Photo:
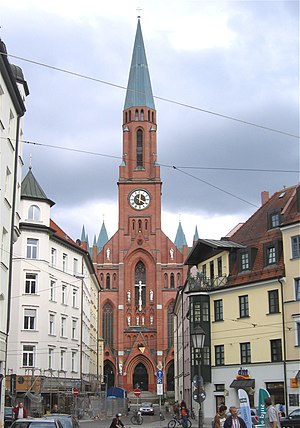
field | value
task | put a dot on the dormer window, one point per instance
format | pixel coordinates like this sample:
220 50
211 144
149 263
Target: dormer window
246 259
274 219
271 253
34 213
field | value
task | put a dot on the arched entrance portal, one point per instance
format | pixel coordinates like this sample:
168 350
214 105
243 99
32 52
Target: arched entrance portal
109 375
140 377
170 377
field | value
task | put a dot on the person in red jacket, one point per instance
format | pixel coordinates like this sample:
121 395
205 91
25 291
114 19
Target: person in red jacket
20 411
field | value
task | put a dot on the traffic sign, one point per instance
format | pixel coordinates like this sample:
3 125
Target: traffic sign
159 389
75 392
137 392
199 395
159 374
159 381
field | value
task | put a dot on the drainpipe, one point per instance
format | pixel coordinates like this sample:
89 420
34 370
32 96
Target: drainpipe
177 356
183 395
281 281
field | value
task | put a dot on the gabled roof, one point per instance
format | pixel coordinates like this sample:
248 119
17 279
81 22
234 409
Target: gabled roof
180 240
139 91
30 189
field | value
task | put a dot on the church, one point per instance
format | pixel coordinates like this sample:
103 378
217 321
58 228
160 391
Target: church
139 267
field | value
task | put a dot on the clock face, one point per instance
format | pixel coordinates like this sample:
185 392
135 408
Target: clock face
139 199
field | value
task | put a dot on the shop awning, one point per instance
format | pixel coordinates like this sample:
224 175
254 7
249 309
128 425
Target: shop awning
243 383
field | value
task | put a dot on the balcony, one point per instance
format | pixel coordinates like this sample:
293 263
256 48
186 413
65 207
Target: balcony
201 282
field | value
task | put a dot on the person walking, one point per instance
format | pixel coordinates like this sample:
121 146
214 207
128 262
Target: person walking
19 411
55 409
184 414
234 421
220 417
116 422
176 409
271 417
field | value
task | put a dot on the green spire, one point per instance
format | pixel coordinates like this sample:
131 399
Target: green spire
83 235
30 189
196 236
139 91
102 238
180 240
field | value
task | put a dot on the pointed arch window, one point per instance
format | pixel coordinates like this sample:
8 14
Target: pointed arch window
139 149
178 280
148 115
108 281
136 116
166 282
170 325
172 281
142 114
129 115
140 283
107 324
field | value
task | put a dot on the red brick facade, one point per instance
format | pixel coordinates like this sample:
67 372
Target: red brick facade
134 319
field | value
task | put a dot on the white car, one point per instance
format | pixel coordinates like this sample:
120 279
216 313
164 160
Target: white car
147 409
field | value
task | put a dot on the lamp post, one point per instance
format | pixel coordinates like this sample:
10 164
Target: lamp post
198 337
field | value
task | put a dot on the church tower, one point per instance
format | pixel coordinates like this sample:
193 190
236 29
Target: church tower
139 268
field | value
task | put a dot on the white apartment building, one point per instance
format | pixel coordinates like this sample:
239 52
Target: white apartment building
53 341
13 90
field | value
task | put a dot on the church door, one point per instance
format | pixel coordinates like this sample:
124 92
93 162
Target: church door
140 377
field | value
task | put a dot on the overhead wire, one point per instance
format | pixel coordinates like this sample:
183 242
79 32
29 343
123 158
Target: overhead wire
104 82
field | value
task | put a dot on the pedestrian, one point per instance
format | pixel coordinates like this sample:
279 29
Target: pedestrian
184 414
220 417
116 422
19 411
55 409
234 421
271 416
167 406
176 409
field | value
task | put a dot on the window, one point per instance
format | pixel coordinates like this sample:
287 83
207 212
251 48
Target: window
274 219
107 324
64 294
212 271
74 329
219 355
245 353
107 281
74 297
28 356
50 358
197 312
219 261
32 248
218 310
31 283
52 290
205 311
297 288
270 253
34 213
172 281
295 246
51 324
276 350
62 359
139 149
53 257
206 356
65 262
75 267
5 247
244 306
29 319
63 327
74 361
297 333
273 302
244 261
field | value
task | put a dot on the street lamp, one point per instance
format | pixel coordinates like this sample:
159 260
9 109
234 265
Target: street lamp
198 337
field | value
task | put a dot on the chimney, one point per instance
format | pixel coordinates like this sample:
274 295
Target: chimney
264 197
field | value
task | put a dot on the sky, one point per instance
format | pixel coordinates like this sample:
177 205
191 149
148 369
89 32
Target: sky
209 61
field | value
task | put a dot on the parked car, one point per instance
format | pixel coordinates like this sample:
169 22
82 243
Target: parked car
8 417
67 421
292 420
147 409
37 423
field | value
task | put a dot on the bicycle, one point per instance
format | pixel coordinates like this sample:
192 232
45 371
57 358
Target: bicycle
137 418
178 422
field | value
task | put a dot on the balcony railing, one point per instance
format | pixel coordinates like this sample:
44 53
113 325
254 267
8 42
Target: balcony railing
201 282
